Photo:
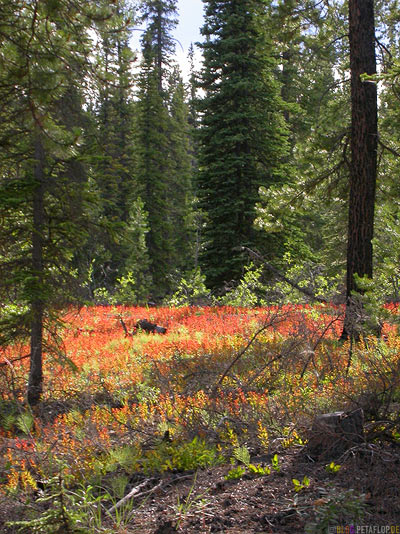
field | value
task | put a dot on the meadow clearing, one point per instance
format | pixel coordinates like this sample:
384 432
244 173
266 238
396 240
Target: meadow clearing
217 408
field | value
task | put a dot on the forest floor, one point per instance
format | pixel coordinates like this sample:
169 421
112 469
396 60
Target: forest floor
204 502
367 483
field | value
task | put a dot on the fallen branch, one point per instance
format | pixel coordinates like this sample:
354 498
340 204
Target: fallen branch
135 492
149 327
127 333
143 324
242 352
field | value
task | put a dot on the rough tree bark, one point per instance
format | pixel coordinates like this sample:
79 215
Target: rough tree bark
363 168
35 382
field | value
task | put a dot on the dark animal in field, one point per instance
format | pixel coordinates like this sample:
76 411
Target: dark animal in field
147 326
144 325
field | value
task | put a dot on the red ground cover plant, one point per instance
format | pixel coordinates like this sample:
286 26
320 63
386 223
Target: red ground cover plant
226 375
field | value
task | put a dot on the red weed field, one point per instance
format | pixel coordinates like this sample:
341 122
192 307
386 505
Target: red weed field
123 406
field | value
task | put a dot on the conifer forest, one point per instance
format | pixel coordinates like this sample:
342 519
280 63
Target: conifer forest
199 267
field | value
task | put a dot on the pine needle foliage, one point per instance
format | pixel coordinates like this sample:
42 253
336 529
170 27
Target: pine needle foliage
242 138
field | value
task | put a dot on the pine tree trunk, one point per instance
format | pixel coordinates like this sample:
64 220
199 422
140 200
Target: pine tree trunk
363 170
35 383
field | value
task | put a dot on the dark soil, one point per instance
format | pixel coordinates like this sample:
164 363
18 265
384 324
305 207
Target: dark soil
206 503
269 504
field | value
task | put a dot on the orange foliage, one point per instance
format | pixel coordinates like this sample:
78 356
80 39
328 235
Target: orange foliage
130 387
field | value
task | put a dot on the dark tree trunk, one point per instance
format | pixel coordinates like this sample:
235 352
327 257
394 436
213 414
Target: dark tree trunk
364 138
35 383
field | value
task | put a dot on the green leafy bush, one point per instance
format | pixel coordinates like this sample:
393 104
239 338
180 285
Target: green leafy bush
181 456
242 455
190 290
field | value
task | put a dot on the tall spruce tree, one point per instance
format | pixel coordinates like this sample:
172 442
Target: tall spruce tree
116 247
153 166
161 18
43 51
180 193
243 138
163 160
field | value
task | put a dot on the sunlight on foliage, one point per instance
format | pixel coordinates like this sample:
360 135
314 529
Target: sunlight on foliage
143 405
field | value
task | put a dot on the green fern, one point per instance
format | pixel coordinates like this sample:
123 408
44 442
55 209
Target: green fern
242 455
126 457
25 422
64 511
181 456
8 421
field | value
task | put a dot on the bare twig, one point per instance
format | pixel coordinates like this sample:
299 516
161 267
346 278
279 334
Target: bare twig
127 333
388 148
314 348
242 352
9 362
270 362
385 48
136 492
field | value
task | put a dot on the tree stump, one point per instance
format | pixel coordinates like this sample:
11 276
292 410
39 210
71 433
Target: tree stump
332 434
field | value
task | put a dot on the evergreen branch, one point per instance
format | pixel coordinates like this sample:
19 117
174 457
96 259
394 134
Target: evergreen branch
320 178
284 278
328 91
388 148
